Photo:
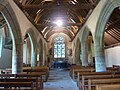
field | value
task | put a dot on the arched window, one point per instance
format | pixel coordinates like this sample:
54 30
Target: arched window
59 47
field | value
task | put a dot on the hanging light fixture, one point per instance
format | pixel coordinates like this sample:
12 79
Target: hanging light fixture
59 23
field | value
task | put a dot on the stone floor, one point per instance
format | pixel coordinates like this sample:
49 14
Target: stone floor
59 79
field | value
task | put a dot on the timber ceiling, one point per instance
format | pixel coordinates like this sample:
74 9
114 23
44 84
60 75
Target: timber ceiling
112 30
44 13
74 13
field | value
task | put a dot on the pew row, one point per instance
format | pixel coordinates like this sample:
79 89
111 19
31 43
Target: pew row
93 82
16 85
42 69
20 76
83 77
76 68
108 87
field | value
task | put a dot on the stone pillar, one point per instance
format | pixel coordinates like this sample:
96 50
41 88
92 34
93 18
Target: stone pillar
84 56
38 63
17 58
33 58
28 51
41 58
99 58
31 53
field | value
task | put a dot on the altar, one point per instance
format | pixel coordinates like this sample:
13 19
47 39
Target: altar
60 64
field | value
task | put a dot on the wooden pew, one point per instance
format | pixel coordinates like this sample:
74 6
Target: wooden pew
44 73
41 69
86 78
37 76
44 69
94 82
7 75
108 87
75 69
33 80
83 77
16 85
111 69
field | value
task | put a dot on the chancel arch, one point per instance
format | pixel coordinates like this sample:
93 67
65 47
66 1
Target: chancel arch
60 48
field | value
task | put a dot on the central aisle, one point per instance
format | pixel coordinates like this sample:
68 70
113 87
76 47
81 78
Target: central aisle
59 79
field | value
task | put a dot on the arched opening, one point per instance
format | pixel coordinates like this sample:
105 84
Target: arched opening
90 50
44 55
85 46
99 34
5 45
60 51
78 53
14 39
40 52
29 50
112 39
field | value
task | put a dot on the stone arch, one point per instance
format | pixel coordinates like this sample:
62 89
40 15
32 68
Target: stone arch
103 18
78 52
84 45
33 45
44 55
106 11
40 63
14 28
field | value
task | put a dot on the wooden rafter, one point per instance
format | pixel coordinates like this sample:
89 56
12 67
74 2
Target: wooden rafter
67 32
66 24
112 24
112 36
62 6
73 10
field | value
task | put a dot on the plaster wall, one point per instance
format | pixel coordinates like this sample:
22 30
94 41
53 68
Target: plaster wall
112 56
6 61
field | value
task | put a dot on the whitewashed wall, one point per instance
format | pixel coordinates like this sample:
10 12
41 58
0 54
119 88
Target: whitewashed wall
6 59
112 56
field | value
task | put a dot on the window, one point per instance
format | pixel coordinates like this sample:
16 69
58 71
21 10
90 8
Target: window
59 47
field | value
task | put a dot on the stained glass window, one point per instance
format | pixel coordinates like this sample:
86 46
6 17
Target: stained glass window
59 47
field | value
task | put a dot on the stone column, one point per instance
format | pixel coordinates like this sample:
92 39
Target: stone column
33 58
41 58
17 58
28 51
99 57
31 53
84 56
38 64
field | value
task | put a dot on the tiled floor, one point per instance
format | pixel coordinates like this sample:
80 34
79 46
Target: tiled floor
59 79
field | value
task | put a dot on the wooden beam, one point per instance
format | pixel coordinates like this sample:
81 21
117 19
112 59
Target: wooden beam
112 24
61 6
66 24
111 34
67 32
